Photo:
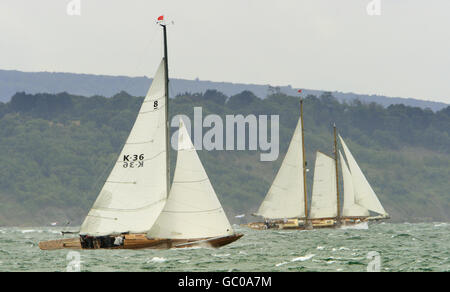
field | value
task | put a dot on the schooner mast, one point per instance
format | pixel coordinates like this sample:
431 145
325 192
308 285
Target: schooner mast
304 161
338 217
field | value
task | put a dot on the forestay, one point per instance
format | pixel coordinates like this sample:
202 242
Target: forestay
285 198
192 210
364 194
135 192
324 193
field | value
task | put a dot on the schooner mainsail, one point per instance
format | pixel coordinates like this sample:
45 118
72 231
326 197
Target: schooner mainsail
325 201
133 209
285 204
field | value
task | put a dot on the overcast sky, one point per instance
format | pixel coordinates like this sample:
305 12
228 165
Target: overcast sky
314 44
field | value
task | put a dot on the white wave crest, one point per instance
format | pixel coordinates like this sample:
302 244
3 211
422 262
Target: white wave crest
360 226
157 260
304 258
221 255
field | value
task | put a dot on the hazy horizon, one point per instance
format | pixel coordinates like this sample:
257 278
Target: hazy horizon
319 45
240 83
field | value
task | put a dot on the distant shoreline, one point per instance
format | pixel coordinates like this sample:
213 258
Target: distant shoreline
13 81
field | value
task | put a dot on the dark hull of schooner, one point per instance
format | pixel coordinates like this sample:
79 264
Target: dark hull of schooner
140 241
314 223
346 222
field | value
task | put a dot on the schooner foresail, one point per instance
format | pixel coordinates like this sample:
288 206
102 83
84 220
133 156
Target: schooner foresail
324 198
350 209
363 192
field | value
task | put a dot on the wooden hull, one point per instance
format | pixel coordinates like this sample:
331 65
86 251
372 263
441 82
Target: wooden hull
277 226
333 224
140 241
345 222
324 223
316 224
70 243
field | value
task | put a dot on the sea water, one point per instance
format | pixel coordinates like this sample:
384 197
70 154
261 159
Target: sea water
381 247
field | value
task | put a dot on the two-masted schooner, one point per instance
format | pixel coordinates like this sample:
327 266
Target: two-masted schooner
136 207
286 205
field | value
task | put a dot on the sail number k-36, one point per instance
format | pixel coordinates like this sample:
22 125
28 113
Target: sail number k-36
133 161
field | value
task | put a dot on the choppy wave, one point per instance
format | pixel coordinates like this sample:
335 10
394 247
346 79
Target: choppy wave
401 247
304 258
157 260
361 226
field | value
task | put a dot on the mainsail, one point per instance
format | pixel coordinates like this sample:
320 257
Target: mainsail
285 198
136 190
324 193
192 209
350 209
364 194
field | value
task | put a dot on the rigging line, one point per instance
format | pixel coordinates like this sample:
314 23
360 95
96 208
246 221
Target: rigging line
202 211
195 189
189 205
154 99
107 167
188 182
147 47
130 210
171 88
117 222
137 143
153 110
123 201
121 182
280 187
291 164
101 217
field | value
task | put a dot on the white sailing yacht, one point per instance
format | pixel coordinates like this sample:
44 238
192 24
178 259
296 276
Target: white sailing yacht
136 207
286 206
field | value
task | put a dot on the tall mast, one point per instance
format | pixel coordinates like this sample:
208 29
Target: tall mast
166 67
304 159
338 218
